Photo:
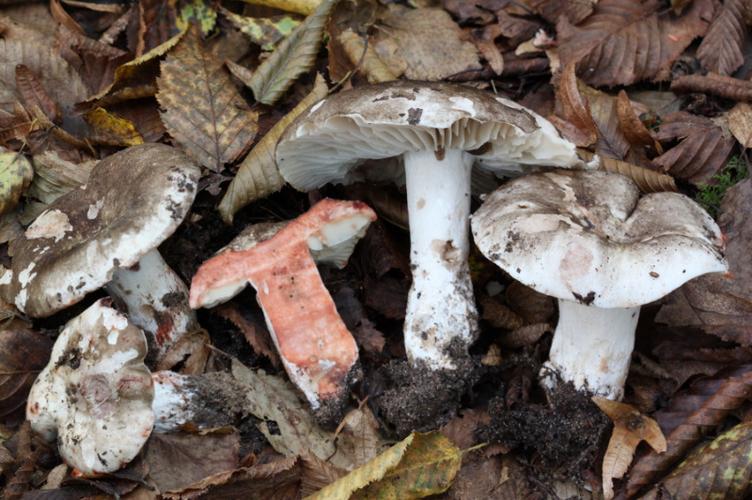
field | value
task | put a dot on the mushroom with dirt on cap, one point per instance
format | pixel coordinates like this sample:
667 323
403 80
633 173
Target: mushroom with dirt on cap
99 400
440 131
106 233
590 240
317 351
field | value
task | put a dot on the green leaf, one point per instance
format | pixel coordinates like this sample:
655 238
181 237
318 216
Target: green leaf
722 469
265 32
258 175
198 11
15 176
419 466
294 56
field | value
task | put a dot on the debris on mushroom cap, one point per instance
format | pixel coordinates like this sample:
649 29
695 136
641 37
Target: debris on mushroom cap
384 120
95 394
318 352
133 201
589 237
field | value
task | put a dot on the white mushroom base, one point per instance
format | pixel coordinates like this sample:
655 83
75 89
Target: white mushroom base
156 298
592 348
441 317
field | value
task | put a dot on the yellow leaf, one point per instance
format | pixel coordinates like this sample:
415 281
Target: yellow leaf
203 110
299 6
15 176
419 466
258 176
630 427
112 130
262 31
292 57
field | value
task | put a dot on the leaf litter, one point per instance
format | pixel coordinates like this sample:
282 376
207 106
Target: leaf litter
222 80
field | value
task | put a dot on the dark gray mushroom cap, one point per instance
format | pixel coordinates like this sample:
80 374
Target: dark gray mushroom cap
590 237
132 202
379 121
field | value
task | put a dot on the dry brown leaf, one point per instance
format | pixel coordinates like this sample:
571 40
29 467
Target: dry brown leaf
634 130
525 335
60 81
366 59
533 306
721 49
32 93
498 315
515 29
611 140
649 181
62 17
692 414
740 123
462 430
722 304
427 40
255 333
624 42
177 461
258 176
722 86
152 25
112 130
630 428
316 474
488 49
203 110
573 108
552 10
702 152
23 353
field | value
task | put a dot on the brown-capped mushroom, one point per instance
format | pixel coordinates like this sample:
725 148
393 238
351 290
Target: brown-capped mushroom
590 240
318 352
439 131
106 233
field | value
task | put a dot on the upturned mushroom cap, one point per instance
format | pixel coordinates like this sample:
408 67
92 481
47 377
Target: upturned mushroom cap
95 394
325 143
133 201
589 237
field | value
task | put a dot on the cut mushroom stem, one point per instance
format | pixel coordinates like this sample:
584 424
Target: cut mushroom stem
440 306
317 351
592 348
156 299
203 401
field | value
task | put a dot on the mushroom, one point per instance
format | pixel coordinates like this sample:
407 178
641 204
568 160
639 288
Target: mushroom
99 400
439 131
588 239
106 233
317 351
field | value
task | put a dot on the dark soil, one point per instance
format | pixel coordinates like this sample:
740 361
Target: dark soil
410 399
565 435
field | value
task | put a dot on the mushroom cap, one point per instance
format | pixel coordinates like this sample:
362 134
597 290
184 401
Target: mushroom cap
331 229
380 121
133 201
95 394
589 237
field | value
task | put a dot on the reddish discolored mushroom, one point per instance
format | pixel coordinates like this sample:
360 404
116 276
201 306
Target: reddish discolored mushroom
318 352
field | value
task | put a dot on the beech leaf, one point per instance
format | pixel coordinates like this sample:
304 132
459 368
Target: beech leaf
23 353
721 469
293 56
366 57
15 176
624 42
649 181
202 109
630 428
416 467
300 6
33 93
257 175
53 176
702 152
740 123
634 130
721 49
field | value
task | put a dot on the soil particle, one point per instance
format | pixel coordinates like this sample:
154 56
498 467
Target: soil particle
565 435
417 398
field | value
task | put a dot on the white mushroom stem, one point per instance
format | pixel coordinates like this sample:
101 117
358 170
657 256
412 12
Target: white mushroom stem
156 298
441 310
199 401
592 348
